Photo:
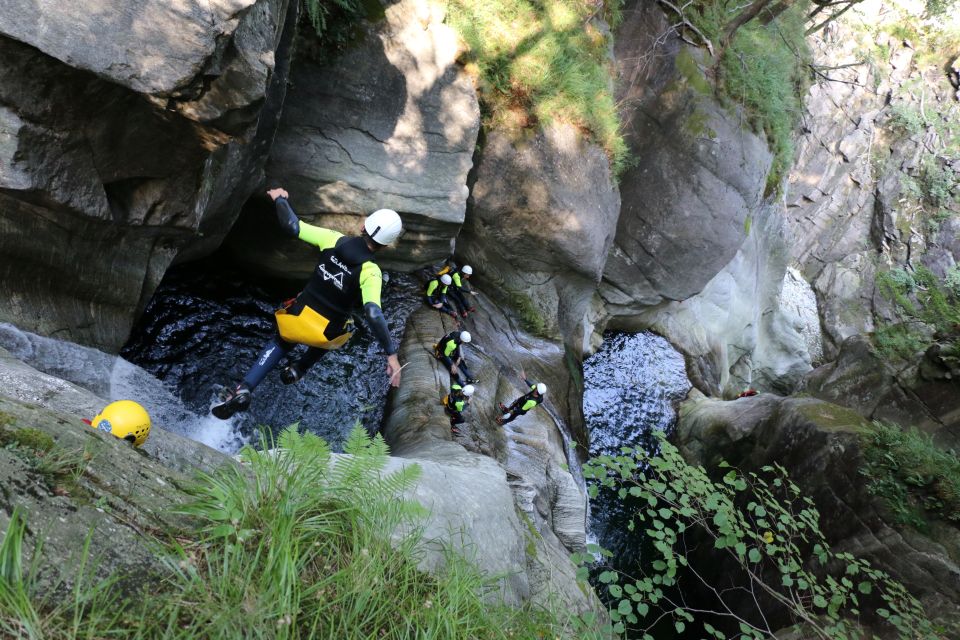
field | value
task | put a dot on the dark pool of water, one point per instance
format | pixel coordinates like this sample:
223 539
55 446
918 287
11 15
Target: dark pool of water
207 323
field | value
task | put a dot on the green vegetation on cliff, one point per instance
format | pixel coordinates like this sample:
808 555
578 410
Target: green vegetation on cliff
928 311
541 62
764 68
293 544
917 479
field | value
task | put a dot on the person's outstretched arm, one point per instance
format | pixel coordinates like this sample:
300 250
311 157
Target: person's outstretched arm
292 226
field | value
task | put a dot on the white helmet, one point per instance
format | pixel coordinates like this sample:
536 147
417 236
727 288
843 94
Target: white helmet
541 388
466 270
468 390
383 226
446 279
465 336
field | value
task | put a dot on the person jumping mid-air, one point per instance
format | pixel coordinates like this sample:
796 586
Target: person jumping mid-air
455 403
524 403
448 352
320 317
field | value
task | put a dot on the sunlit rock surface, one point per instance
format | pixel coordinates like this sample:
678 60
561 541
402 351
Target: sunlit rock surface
391 122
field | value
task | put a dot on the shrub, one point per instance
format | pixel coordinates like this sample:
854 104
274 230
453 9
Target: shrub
767 536
913 475
929 310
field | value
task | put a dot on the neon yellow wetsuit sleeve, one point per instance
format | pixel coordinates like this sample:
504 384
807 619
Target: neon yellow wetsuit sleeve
432 286
320 237
456 280
371 282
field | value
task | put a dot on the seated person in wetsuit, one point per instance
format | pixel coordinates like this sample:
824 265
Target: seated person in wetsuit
320 317
449 353
436 294
455 403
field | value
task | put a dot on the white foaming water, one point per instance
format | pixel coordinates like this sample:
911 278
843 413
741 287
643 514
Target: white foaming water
113 378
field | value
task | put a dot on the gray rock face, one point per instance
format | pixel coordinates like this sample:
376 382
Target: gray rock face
390 123
699 175
102 186
542 219
527 456
917 396
755 324
155 48
818 443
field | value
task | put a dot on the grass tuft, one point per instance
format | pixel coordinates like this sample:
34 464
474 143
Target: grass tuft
538 63
293 545
916 479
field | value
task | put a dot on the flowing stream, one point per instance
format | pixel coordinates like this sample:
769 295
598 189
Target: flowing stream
206 325
631 386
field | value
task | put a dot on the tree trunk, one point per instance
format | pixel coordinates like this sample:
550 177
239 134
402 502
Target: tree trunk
742 18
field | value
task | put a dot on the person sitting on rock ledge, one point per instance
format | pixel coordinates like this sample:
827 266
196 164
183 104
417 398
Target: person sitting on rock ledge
455 403
524 403
449 353
320 317
436 295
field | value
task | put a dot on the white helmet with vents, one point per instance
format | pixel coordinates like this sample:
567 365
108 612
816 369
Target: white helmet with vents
465 336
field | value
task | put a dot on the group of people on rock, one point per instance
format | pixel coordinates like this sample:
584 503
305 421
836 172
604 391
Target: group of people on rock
320 317
447 292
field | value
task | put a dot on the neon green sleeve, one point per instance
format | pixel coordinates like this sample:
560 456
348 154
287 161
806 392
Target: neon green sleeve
456 280
432 286
371 281
318 236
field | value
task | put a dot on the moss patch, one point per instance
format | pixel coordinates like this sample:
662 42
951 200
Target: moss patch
33 439
833 417
688 68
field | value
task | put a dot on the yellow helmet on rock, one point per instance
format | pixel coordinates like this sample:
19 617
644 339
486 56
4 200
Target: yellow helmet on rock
125 419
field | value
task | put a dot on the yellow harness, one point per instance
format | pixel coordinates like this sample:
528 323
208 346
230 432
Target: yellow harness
309 328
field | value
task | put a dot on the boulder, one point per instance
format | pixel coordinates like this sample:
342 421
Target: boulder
126 146
542 217
529 455
924 396
819 445
391 122
698 176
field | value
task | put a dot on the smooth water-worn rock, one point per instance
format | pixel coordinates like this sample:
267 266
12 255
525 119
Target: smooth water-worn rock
699 175
391 122
543 212
819 445
116 159
530 453
755 324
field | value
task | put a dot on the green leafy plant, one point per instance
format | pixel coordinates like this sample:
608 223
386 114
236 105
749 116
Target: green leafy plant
917 479
767 536
319 12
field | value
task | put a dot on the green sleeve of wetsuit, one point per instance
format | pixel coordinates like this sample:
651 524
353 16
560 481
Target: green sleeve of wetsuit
371 282
318 236
456 280
432 286
529 404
